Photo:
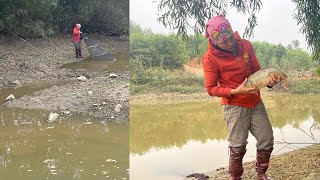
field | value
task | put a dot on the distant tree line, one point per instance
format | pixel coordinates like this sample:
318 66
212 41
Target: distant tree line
170 51
156 50
290 57
43 18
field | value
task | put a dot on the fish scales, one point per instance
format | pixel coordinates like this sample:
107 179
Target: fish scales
260 78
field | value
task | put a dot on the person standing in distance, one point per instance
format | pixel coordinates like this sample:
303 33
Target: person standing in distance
76 40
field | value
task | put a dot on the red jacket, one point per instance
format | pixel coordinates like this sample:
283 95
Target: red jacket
224 71
76 34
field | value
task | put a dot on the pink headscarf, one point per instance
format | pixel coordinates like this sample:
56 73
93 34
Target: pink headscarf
78 25
218 29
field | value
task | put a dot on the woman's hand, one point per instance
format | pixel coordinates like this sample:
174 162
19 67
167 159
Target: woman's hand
273 80
242 89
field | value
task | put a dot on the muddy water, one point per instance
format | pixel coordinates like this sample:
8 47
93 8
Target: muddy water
122 63
75 147
30 88
170 141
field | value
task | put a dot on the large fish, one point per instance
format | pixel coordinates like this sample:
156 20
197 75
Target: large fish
260 78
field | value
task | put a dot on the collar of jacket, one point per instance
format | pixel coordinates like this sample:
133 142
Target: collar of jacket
224 54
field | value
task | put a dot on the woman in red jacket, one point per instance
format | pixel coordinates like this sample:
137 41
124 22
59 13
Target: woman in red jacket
76 40
227 64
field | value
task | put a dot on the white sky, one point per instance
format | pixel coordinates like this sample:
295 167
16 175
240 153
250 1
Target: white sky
275 21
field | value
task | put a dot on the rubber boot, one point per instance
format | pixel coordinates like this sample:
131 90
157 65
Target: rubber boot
80 53
262 164
77 53
235 162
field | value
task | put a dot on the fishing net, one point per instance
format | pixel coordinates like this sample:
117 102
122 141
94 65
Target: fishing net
97 52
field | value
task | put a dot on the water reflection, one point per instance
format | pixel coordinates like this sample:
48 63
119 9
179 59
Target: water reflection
76 147
169 141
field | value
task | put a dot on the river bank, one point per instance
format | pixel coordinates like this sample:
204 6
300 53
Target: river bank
302 164
42 59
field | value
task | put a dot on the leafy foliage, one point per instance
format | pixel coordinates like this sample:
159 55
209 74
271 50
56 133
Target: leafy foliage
52 17
179 14
308 15
270 55
157 50
196 46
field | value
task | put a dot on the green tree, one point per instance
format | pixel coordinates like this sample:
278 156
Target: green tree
135 28
295 44
270 55
196 46
52 17
297 59
279 52
157 50
308 16
264 52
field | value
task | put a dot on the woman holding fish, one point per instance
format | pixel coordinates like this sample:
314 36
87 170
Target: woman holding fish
227 65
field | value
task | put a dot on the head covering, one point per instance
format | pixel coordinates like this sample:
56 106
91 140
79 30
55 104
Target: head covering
78 25
218 29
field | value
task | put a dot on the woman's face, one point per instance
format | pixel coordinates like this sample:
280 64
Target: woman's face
228 45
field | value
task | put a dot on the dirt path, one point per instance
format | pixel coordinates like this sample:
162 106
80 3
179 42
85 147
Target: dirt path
22 62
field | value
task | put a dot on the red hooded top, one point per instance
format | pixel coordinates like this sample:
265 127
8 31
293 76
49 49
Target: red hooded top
224 71
76 34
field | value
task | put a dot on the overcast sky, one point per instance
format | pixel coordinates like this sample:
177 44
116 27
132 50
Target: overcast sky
275 21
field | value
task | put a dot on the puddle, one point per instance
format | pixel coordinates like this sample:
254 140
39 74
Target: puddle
30 88
76 147
100 65
170 141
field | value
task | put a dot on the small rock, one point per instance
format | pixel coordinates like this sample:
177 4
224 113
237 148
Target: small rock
82 78
65 113
53 117
113 75
16 83
118 108
90 92
127 85
10 97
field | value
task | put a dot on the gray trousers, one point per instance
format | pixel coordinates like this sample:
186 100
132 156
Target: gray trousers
77 45
241 120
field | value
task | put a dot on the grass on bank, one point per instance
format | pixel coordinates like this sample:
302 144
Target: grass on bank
305 86
158 80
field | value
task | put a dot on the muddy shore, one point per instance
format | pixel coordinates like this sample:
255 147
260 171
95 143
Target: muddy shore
35 60
301 164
